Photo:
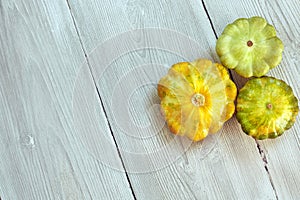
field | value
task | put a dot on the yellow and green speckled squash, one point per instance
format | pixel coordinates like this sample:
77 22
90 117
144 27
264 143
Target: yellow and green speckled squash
266 107
196 98
250 47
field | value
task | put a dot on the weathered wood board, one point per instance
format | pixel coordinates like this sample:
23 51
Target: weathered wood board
41 158
281 156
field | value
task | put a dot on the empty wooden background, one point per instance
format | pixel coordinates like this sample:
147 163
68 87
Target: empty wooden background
49 152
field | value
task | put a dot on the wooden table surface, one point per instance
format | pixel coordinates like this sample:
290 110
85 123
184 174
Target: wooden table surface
79 113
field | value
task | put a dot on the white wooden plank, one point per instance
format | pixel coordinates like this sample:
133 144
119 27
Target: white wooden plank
42 156
224 166
282 154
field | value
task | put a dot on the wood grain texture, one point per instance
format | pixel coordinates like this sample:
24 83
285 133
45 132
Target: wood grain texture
281 156
41 157
224 166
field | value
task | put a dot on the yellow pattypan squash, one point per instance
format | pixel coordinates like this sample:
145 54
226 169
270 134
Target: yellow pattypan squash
197 98
250 47
266 107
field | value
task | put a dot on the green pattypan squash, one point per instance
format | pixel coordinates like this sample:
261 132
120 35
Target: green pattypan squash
266 107
250 47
